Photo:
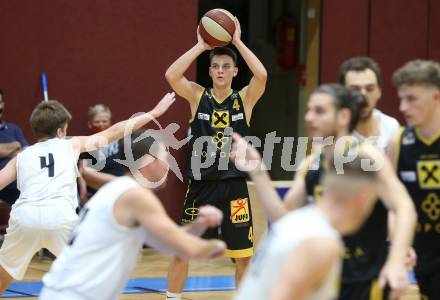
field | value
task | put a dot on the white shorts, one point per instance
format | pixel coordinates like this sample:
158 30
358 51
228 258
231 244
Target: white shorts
51 294
32 228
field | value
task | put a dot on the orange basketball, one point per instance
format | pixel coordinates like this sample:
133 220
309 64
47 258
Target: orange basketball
217 27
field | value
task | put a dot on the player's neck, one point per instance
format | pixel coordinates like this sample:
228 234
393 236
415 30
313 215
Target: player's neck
430 129
368 127
221 92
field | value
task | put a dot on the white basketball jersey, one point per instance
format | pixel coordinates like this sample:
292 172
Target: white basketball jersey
46 174
279 242
101 252
388 127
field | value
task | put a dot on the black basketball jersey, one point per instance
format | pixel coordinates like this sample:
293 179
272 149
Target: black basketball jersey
418 167
366 250
211 130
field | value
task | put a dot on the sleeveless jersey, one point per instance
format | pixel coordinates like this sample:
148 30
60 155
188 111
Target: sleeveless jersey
46 174
211 129
418 167
366 250
276 247
101 253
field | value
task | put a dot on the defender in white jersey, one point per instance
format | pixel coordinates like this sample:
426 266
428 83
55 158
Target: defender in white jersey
44 214
363 74
114 224
300 256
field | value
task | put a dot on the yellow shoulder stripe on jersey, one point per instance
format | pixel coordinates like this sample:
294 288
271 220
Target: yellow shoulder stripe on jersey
243 100
425 140
197 106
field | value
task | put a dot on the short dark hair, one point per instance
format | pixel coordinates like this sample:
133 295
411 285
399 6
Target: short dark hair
1 92
426 72
47 117
223 51
344 98
358 64
139 148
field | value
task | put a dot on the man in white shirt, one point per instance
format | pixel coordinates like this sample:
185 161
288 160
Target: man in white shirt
363 74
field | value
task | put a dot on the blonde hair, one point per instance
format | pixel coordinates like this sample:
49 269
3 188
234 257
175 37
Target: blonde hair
96 109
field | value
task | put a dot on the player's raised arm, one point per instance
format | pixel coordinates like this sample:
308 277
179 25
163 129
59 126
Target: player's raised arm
175 73
397 200
247 158
255 89
116 131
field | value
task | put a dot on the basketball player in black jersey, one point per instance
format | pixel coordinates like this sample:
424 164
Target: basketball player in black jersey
415 153
217 112
333 111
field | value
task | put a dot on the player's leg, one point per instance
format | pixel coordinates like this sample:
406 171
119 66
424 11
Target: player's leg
236 228
177 275
59 229
21 243
198 194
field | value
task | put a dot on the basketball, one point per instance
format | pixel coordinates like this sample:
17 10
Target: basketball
217 27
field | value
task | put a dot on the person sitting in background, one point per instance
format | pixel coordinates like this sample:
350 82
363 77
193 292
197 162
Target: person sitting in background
103 159
12 141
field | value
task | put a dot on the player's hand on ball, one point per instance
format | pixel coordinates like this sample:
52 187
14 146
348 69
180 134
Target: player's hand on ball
209 216
201 42
244 155
237 33
163 104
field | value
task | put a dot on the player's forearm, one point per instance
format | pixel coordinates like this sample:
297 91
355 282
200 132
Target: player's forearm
7 149
405 219
252 61
269 198
120 129
179 67
195 228
95 179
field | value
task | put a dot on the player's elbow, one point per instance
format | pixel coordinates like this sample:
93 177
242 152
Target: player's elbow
261 76
170 76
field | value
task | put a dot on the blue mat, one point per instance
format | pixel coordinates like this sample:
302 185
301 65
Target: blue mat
136 286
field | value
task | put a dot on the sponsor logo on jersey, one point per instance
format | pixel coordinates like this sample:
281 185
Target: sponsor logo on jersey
429 174
237 117
408 176
220 119
240 211
202 116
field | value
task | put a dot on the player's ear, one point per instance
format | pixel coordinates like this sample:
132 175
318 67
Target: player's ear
235 71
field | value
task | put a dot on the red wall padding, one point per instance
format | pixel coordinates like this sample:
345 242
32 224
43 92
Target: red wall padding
392 32
398 33
112 52
344 33
434 30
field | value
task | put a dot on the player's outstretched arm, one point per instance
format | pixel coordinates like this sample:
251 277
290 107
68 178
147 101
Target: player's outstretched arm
189 90
306 268
397 200
247 158
208 216
163 233
255 89
117 131
9 173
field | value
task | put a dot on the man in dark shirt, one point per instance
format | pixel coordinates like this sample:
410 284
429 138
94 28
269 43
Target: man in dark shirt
12 141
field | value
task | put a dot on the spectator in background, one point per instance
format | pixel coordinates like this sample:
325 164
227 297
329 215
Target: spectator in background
12 141
103 159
